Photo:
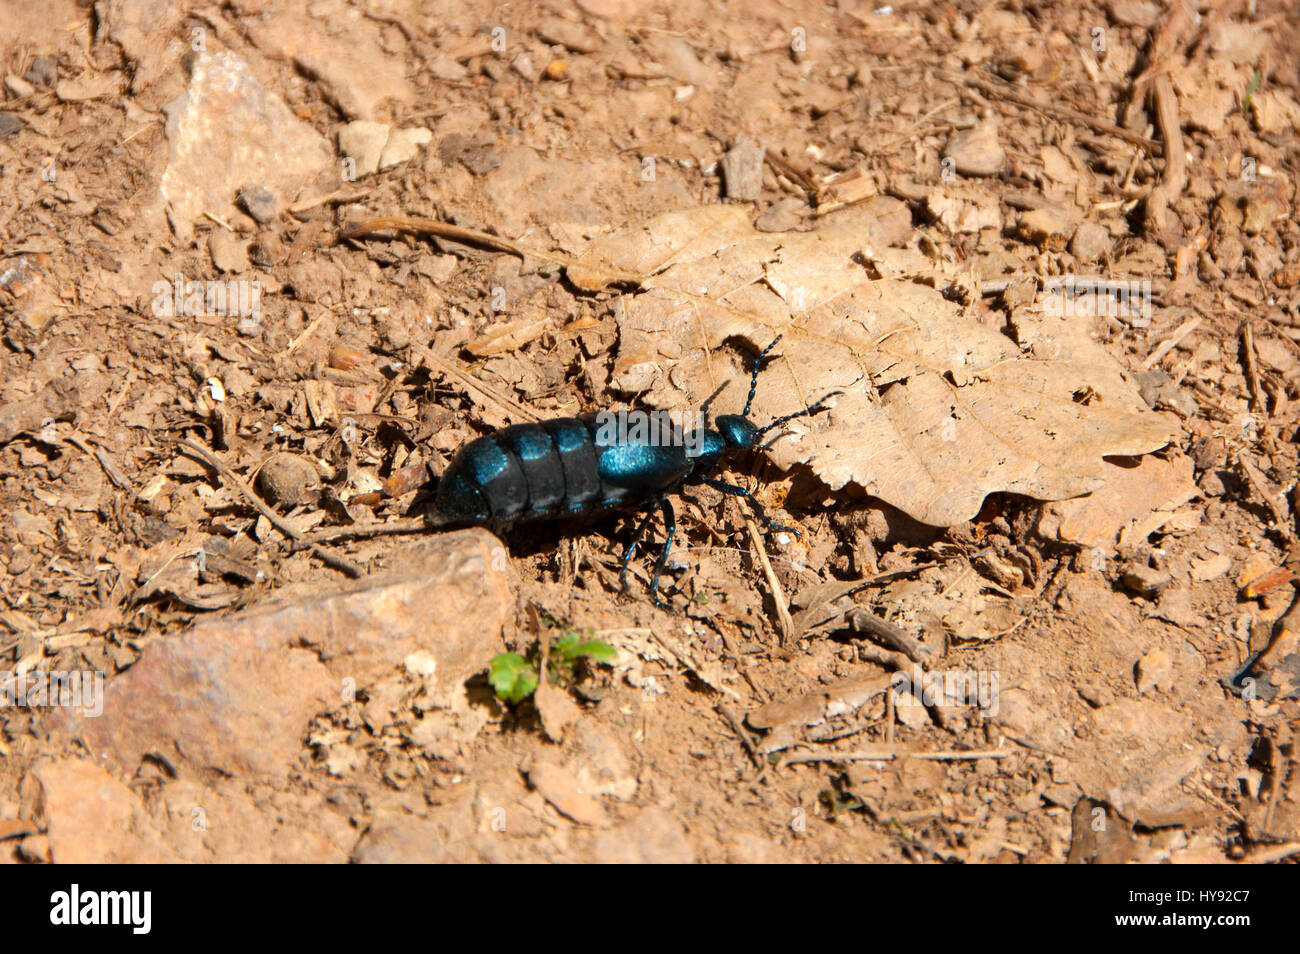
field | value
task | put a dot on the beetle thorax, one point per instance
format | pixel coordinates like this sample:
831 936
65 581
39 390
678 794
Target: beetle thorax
738 432
734 435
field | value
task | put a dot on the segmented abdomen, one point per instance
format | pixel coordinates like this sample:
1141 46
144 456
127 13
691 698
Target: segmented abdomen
551 469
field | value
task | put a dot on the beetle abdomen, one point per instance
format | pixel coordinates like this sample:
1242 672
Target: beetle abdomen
578 464
555 468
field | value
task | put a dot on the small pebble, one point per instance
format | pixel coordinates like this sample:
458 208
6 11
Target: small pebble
286 480
976 151
259 202
1090 243
742 171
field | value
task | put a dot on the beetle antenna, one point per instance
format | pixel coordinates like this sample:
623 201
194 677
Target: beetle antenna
753 377
807 412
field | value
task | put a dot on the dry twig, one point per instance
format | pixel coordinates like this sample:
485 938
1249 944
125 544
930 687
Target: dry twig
884 755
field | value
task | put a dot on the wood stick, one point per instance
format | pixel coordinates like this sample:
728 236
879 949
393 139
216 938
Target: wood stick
1258 401
739 729
486 393
865 621
422 226
886 756
404 525
778 594
1174 179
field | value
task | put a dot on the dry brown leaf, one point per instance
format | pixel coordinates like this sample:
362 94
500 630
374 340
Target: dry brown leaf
1137 494
938 411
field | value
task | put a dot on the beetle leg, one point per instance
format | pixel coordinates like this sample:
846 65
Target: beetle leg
670 527
631 547
733 490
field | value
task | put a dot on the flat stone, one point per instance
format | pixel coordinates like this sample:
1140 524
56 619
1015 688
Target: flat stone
1135 496
443 67
573 36
146 31
1090 243
233 822
653 837
226 130
404 840
1046 227
600 764
89 86
236 694
610 9
259 202
964 207
204 698
44 71
343 52
562 787
783 216
1140 750
1146 581
1154 671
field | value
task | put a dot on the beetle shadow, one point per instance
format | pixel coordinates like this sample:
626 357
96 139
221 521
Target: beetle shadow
532 537
706 408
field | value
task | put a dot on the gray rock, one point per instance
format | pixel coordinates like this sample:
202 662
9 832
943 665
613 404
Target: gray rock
259 202
43 72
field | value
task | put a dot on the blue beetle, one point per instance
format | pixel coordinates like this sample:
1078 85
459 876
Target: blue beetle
575 467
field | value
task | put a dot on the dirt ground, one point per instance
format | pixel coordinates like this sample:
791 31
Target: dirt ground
1129 676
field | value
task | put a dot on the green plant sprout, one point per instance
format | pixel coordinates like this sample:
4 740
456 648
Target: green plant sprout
514 677
1250 91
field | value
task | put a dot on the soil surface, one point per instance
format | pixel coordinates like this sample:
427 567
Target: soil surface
218 361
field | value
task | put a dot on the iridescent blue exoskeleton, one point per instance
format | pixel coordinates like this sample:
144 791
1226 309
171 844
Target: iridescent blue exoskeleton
572 467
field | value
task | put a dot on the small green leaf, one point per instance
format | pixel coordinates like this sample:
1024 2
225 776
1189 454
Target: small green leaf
562 645
512 678
595 649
